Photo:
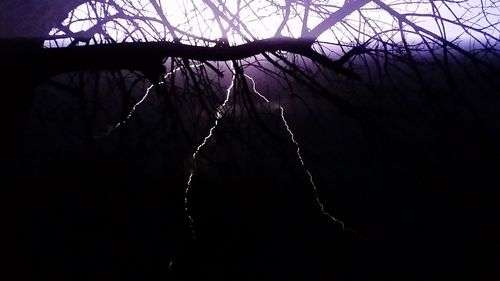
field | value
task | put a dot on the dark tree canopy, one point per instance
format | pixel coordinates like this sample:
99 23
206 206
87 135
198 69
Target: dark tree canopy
251 139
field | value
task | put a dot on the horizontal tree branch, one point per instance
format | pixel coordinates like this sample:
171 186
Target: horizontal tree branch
140 55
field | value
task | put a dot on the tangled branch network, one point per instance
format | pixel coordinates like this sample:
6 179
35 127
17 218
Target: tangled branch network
311 43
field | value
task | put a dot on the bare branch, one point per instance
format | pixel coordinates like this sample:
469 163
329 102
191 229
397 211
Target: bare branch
137 55
348 8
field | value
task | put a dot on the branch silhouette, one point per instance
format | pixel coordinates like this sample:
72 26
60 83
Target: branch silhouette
134 56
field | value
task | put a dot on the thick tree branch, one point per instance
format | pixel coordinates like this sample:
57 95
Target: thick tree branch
137 56
349 7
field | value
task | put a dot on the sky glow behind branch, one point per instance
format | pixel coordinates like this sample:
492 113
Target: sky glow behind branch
464 22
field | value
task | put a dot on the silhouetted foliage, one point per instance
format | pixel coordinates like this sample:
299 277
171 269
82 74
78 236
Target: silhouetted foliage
212 139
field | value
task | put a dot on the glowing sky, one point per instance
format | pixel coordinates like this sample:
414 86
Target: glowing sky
194 21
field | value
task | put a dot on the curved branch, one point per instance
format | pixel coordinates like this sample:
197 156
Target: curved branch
137 55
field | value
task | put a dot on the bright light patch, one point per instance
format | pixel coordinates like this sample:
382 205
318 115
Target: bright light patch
202 22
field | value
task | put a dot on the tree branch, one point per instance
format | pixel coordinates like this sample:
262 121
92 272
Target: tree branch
349 7
138 55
